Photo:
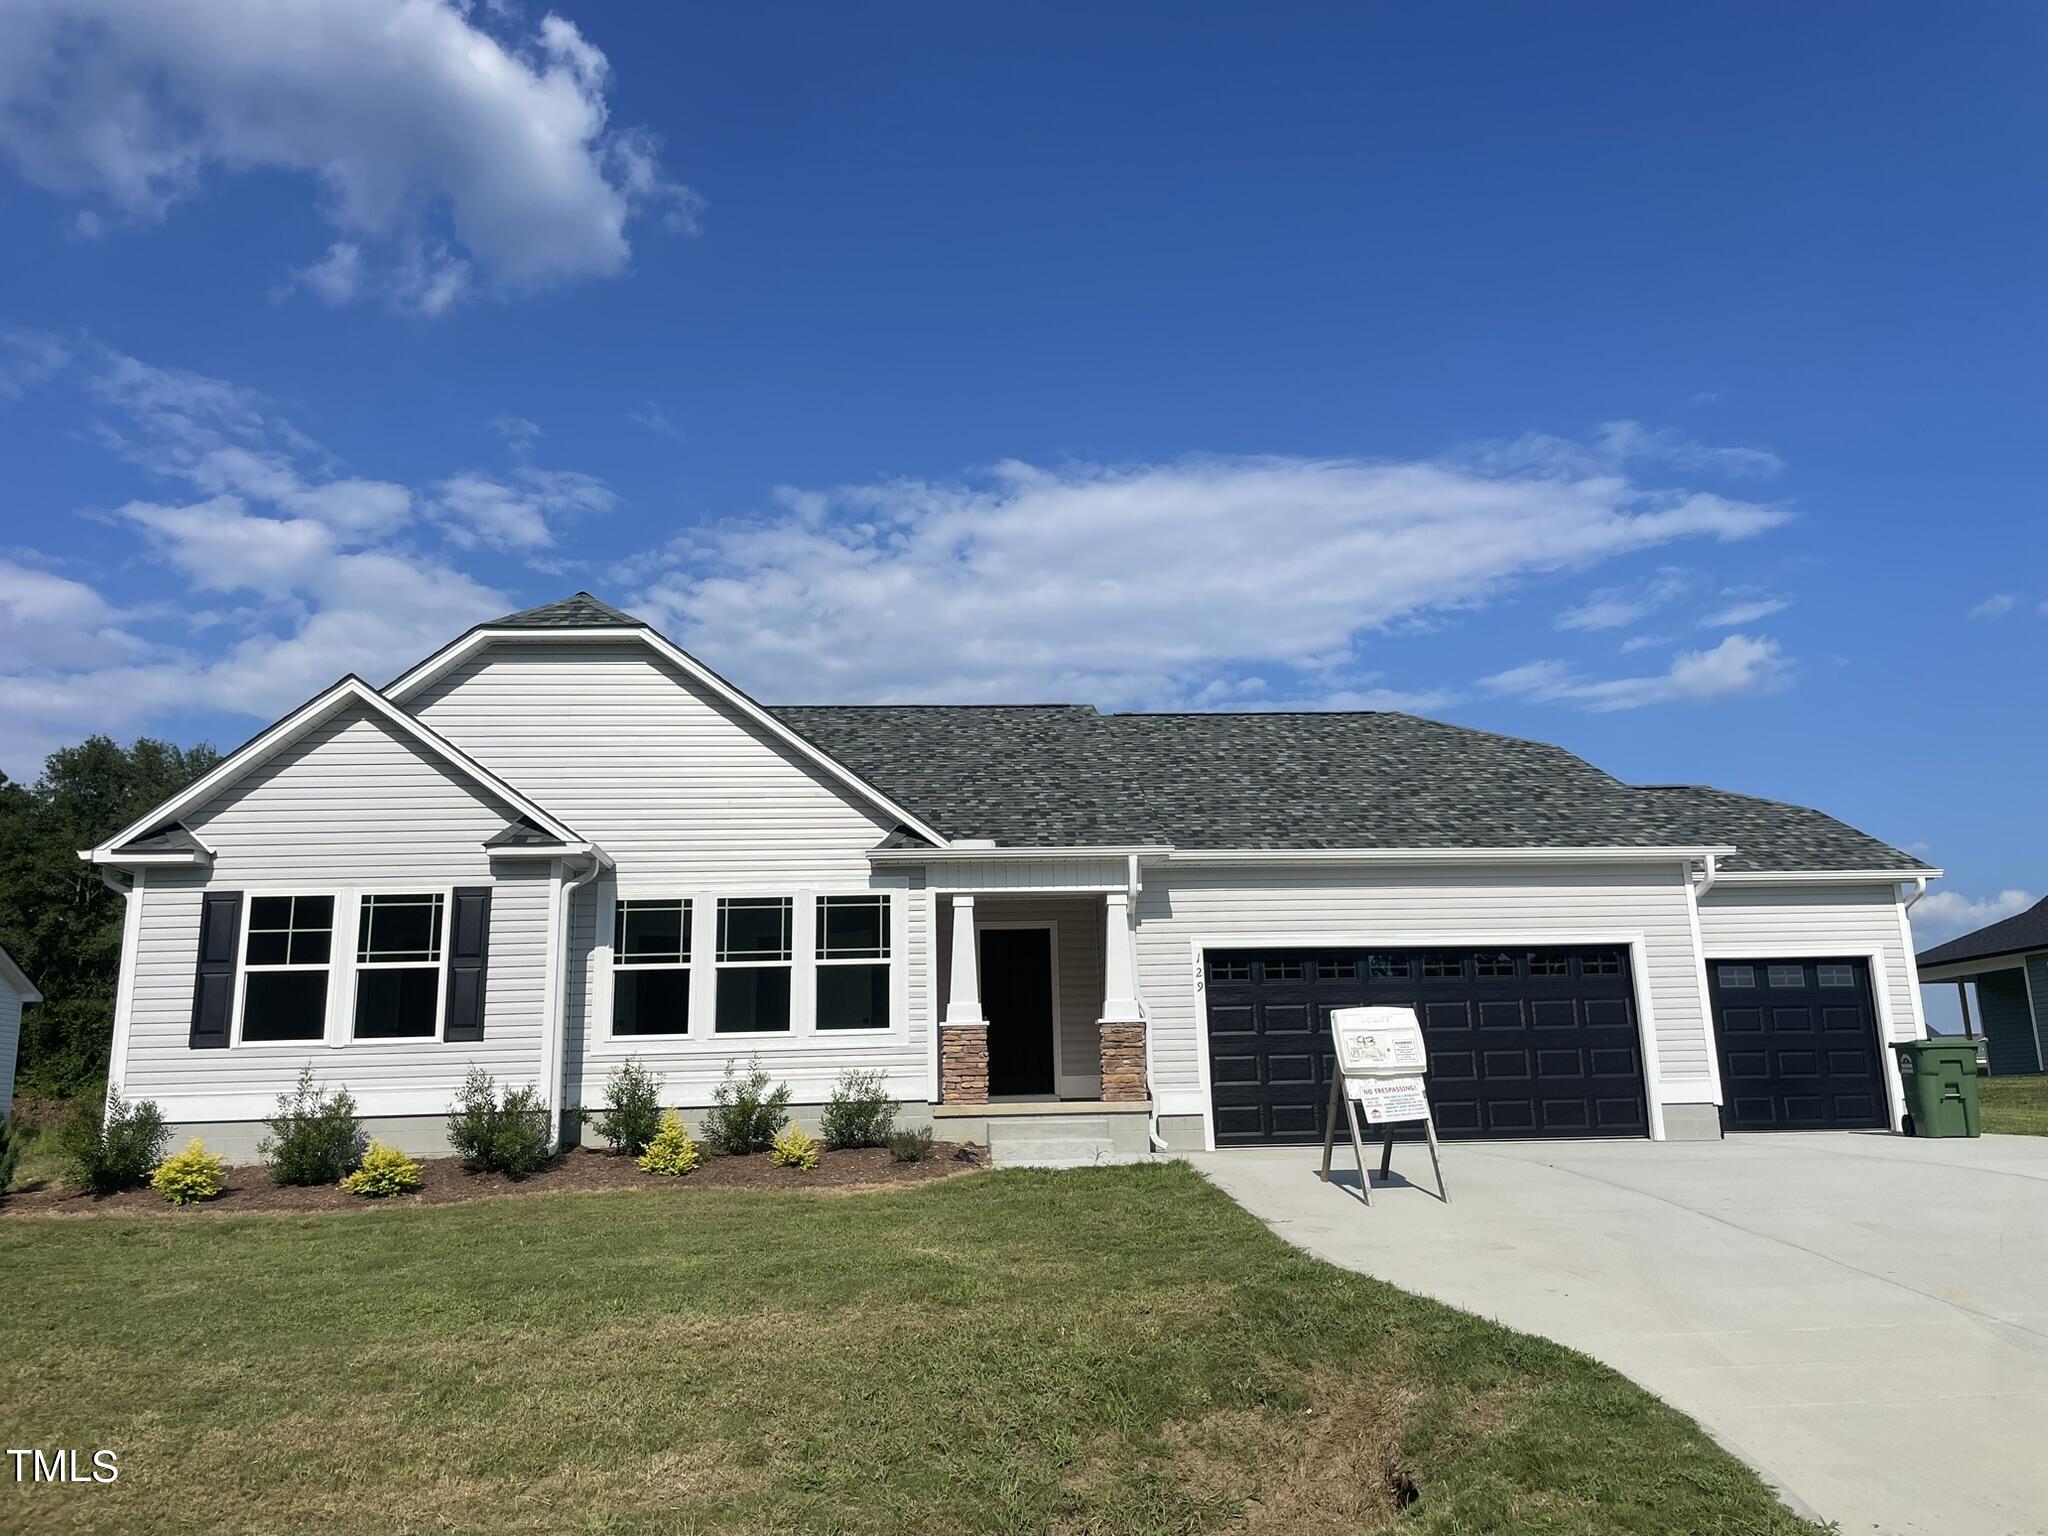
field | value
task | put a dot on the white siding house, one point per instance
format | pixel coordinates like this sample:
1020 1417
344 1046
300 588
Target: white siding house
561 843
16 990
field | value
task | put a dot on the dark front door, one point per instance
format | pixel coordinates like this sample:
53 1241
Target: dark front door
1799 1047
1522 1041
1016 997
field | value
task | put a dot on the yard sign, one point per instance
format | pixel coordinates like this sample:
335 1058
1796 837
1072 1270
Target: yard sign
1380 1064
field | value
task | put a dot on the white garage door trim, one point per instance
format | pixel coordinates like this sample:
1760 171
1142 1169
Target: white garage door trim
1452 938
1873 956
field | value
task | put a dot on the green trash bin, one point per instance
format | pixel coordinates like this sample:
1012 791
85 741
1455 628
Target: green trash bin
1940 1079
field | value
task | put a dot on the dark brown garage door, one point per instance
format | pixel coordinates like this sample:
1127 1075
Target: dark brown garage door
1522 1042
1799 1045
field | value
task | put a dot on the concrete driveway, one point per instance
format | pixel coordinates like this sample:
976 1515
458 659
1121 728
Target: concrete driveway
1861 1317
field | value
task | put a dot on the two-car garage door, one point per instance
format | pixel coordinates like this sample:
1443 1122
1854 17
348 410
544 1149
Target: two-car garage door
1522 1042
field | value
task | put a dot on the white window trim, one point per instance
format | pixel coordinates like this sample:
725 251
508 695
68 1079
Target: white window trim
333 969
888 959
608 938
795 904
356 966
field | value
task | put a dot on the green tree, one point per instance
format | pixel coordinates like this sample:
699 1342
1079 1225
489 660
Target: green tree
57 918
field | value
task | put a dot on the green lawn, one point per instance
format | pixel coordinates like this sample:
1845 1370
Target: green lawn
1115 1351
2014 1106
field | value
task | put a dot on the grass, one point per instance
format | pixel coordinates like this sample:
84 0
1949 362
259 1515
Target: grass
2014 1106
1103 1351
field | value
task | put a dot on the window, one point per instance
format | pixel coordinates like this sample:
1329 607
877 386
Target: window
1735 977
1787 975
1385 968
1230 970
398 968
1441 967
753 964
1336 970
651 968
1837 975
1493 966
1545 964
1601 963
284 981
853 962
1283 970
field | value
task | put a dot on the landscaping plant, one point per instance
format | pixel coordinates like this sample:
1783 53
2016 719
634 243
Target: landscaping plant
314 1136
116 1148
745 1114
860 1113
670 1151
911 1146
10 1153
495 1134
192 1175
385 1171
794 1149
633 1095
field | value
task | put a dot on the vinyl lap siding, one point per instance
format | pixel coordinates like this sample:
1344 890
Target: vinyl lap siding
2009 1042
10 1041
1817 921
1180 908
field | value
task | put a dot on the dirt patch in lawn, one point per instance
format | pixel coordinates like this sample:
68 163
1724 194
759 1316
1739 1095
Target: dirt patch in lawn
578 1171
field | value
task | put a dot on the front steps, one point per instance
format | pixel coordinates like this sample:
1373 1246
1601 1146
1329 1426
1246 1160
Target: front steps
1051 1141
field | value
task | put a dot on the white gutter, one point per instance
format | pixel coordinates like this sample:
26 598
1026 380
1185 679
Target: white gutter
554 1039
1920 889
1831 877
957 853
1599 855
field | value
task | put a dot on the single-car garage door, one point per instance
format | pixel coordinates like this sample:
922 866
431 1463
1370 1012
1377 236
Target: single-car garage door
1799 1045
1522 1042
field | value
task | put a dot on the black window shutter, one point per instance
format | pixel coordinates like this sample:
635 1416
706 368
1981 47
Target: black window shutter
469 950
213 992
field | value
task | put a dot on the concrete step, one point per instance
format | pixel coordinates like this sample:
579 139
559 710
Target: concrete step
1050 1141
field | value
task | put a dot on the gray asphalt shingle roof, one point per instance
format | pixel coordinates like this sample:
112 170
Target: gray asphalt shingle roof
2011 936
578 611
1052 775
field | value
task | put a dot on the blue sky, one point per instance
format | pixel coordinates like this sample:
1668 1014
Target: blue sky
1665 382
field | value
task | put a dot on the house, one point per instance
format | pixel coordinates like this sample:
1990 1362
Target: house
560 842
15 990
2009 963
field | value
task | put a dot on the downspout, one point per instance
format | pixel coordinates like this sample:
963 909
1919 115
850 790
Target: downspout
1919 890
109 877
1154 1139
554 1041
1709 873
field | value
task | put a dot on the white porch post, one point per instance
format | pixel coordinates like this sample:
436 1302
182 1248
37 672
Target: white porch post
963 997
1119 973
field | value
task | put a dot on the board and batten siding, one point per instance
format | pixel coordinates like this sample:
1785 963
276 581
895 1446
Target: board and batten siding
689 798
1077 922
10 1043
1180 908
352 804
1815 922
2010 1043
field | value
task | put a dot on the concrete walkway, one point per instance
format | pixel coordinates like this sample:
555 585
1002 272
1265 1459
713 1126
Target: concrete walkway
1863 1318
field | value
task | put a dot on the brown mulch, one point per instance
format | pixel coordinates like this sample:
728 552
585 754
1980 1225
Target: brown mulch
577 1171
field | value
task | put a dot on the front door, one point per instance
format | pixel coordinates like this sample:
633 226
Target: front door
1016 998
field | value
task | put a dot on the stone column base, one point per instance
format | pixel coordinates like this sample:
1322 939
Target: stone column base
963 1063
1123 1061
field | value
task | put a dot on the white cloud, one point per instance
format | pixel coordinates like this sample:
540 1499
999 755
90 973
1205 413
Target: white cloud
1133 586
1624 440
1738 665
1997 606
655 420
415 116
517 513
1619 607
27 358
1636 643
47 619
1943 915
1745 610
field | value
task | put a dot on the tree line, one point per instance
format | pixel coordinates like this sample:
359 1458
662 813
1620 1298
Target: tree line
58 919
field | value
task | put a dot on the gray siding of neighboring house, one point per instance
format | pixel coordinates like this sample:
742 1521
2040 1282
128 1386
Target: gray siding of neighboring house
2009 1042
690 799
2037 996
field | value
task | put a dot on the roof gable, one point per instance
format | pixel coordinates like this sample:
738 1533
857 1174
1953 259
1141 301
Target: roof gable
579 610
2019 934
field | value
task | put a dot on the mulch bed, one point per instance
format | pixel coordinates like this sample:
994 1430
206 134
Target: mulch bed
577 1171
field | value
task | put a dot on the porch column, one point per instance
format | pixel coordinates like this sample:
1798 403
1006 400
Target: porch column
1123 1022
963 1038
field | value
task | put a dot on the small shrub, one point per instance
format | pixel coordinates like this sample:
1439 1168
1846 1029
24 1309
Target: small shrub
633 1095
745 1116
116 1148
911 1146
384 1172
507 1135
10 1153
794 1149
189 1176
314 1136
860 1113
670 1151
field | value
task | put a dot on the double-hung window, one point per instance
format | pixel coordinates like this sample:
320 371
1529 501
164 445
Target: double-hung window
398 967
651 968
853 962
285 966
753 961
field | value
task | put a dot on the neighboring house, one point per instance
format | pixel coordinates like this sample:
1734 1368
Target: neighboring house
561 842
15 991
2009 963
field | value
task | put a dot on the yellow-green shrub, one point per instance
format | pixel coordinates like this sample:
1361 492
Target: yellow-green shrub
671 1151
793 1149
383 1172
187 1176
